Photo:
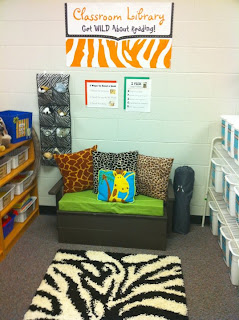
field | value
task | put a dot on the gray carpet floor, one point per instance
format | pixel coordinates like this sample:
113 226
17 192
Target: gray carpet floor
210 294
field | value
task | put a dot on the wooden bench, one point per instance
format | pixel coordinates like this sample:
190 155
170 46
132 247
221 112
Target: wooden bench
110 229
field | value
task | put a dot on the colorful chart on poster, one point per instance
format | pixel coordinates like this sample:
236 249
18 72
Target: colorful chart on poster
119 35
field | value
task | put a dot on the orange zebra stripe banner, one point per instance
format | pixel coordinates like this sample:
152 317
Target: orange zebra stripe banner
125 35
104 53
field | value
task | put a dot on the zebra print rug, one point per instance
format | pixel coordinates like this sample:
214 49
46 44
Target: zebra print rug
96 285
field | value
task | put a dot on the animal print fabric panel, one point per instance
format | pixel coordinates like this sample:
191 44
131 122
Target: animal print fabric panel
153 176
54 116
111 161
133 53
76 170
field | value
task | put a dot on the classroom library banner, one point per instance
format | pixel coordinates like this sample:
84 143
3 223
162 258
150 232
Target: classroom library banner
119 35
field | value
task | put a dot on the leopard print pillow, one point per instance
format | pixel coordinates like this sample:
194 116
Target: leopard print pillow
153 176
111 161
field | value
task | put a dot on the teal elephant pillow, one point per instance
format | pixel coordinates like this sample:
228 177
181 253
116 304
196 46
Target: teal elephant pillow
116 185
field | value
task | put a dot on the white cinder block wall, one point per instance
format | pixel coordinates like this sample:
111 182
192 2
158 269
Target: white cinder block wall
187 100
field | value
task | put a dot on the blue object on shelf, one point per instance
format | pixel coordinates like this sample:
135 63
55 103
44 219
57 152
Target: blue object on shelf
18 124
8 227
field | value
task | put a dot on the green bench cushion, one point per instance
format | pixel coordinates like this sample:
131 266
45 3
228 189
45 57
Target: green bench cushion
86 201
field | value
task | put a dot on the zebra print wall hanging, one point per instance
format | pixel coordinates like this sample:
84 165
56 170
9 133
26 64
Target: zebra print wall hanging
97 285
54 115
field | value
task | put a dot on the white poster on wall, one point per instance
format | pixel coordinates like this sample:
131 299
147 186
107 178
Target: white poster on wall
101 94
137 94
120 35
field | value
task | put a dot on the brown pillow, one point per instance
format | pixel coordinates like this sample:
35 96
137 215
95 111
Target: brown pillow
153 175
76 169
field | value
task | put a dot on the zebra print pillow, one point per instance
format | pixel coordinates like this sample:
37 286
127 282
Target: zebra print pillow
111 161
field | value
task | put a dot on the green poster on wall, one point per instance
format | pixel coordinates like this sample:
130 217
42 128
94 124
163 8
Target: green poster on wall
137 94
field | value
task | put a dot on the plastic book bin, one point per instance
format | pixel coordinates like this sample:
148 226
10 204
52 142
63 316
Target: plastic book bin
234 261
6 195
237 203
225 171
26 210
217 164
220 223
236 145
232 180
19 156
223 219
232 122
225 238
5 166
213 208
228 234
20 181
224 129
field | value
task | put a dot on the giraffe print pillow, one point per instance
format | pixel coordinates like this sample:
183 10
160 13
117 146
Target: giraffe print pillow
153 176
116 186
111 161
76 169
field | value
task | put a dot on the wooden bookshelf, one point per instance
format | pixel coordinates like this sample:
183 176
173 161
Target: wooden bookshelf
19 228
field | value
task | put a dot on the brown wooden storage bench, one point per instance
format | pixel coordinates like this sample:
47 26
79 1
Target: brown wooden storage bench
112 229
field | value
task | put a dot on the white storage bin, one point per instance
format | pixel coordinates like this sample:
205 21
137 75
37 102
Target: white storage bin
234 261
19 156
237 203
217 164
24 213
232 180
225 171
5 166
224 219
6 195
227 234
232 122
236 145
224 129
213 208
23 179
220 223
213 217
